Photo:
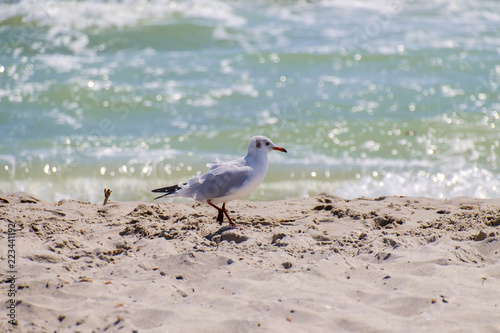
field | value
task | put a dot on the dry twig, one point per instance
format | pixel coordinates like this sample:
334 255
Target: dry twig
107 193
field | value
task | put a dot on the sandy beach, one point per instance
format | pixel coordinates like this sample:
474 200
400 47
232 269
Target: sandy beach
317 264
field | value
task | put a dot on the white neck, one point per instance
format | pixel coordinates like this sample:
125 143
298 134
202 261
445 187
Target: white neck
258 160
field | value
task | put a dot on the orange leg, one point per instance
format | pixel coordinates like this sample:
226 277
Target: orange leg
227 215
222 211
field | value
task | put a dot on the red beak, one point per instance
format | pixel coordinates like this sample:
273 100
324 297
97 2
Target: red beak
280 149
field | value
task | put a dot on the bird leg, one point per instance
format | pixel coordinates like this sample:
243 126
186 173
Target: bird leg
222 211
227 215
220 216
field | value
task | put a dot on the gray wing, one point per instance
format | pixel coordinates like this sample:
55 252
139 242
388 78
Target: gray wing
220 181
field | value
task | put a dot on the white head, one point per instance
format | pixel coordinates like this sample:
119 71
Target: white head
261 143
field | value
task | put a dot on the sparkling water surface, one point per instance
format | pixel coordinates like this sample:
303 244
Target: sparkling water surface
370 98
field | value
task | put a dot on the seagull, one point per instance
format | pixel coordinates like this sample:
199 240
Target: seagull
227 181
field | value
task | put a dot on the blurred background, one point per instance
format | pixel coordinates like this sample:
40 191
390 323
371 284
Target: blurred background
370 98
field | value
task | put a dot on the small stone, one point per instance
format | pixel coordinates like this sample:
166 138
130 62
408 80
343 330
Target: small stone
480 236
277 237
234 236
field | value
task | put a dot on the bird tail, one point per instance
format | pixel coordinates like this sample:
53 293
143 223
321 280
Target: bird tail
169 190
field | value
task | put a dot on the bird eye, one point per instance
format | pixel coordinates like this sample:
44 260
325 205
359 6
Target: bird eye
267 143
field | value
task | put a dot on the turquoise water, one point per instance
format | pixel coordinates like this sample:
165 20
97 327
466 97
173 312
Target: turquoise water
369 97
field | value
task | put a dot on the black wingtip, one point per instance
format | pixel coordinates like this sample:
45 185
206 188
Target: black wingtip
168 190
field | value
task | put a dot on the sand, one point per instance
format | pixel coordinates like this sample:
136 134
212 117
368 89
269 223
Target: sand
318 264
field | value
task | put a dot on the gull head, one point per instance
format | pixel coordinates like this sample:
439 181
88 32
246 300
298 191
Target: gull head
261 143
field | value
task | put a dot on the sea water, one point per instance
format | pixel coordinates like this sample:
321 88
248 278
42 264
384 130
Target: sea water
370 98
